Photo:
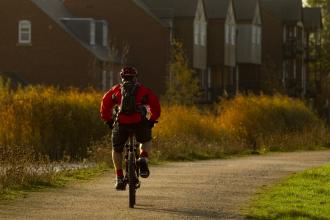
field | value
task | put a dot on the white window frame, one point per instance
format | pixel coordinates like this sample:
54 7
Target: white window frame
111 79
254 35
24 28
104 80
227 33
295 31
209 78
284 71
233 34
203 34
284 34
92 33
294 69
258 35
105 34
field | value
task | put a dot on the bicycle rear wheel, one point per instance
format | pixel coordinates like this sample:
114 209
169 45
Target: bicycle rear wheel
131 179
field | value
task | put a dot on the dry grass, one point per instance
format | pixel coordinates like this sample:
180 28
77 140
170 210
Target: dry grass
20 166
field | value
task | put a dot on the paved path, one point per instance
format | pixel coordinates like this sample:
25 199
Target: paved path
194 190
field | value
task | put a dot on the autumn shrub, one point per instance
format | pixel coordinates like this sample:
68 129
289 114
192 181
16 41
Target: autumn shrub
54 122
187 132
272 121
66 124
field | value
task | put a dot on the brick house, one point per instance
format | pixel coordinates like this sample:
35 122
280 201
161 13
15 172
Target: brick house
45 44
134 27
272 52
221 51
249 44
312 19
293 66
188 25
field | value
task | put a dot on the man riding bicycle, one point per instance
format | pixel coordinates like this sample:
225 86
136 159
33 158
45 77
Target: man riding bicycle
124 109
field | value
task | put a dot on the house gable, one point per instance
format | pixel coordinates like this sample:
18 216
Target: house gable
200 12
257 15
230 18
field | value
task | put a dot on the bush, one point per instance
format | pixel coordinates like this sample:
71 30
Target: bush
56 123
66 124
272 120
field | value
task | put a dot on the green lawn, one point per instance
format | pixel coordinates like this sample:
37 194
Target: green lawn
305 195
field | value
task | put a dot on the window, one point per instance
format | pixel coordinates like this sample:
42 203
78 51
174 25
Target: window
24 32
258 40
254 35
111 80
295 31
105 34
233 34
209 78
294 69
104 80
92 33
284 34
284 73
203 33
196 33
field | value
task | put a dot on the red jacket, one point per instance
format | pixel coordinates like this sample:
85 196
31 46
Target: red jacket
108 104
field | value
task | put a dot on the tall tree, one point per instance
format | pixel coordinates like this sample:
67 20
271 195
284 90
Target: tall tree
325 6
183 85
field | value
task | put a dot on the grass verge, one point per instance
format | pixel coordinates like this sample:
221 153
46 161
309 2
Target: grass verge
61 179
303 196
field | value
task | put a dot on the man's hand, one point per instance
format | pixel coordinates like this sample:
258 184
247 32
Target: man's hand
152 123
110 124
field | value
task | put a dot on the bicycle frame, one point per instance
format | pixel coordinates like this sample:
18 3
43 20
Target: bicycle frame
132 169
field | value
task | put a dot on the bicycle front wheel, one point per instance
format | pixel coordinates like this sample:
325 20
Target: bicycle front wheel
131 179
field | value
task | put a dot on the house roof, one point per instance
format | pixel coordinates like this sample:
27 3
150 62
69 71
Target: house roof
173 8
57 11
142 4
286 10
216 9
245 9
312 18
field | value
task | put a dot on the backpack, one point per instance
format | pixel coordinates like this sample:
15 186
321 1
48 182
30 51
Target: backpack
128 102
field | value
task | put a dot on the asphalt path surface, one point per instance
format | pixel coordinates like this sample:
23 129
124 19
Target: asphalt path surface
216 189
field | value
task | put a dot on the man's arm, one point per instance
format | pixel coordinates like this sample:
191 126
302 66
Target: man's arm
107 106
154 105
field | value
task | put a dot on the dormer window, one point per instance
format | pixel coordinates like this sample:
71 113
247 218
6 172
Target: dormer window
24 32
92 33
105 34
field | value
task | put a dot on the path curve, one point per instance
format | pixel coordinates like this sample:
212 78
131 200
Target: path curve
194 190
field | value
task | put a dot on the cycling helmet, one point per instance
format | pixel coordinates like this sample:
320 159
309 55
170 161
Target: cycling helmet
128 71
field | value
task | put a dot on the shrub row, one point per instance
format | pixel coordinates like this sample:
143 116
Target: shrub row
67 123
56 123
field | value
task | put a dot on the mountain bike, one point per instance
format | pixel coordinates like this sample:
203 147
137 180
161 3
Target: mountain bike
132 168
